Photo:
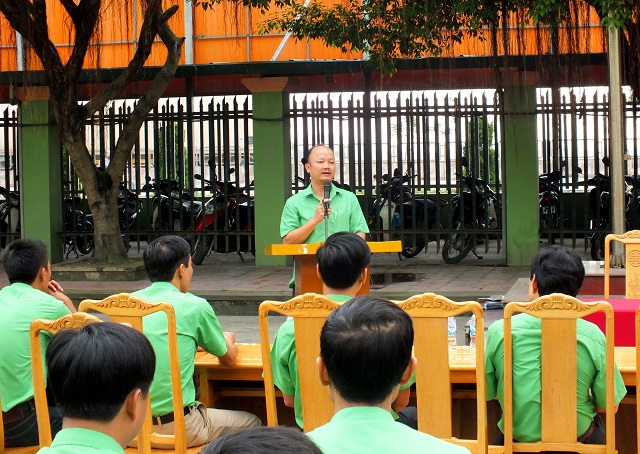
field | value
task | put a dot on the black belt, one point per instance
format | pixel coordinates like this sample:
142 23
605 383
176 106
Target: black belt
169 417
19 411
588 433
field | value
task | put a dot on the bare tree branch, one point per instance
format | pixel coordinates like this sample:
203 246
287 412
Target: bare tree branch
148 101
147 36
85 24
72 10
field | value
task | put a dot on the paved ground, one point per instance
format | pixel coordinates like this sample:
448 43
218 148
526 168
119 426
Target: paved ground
235 287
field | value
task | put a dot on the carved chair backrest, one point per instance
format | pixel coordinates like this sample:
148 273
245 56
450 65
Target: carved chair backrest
309 312
70 321
631 241
558 314
430 313
126 308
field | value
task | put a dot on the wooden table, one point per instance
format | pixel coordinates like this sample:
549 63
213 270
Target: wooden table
248 367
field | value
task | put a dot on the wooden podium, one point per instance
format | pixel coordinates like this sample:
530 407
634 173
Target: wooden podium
307 280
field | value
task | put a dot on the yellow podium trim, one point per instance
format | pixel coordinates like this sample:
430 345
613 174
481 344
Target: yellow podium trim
311 248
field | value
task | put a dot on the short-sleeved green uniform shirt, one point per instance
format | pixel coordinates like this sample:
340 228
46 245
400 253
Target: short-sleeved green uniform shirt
284 362
196 324
346 214
20 304
81 441
372 430
527 358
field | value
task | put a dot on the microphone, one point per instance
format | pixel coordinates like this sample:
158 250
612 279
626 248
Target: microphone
327 195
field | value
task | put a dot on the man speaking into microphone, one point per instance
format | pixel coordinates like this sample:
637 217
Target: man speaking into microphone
313 213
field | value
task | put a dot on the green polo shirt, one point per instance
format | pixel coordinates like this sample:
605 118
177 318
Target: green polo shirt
20 304
80 441
527 358
196 324
346 214
372 430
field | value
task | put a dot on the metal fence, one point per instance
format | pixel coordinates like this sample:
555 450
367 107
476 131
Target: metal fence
416 147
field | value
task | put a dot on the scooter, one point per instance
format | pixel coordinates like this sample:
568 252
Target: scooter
600 203
78 227
9 216
172 208
230 213
397 208
476 208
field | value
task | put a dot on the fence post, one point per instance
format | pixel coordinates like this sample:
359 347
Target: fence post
271 159
521 211
40 172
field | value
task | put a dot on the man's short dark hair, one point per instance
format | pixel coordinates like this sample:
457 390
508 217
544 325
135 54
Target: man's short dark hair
342 259
263 440
92 370
305 156
164 255
366 346
23 259
558 270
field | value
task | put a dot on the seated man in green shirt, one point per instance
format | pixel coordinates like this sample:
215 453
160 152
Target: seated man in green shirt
554 269
167 261
365 355
31 295
342 265
99 376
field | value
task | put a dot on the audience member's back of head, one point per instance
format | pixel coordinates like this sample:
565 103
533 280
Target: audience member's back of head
164 255
366 346
92 370
342 259
263 440
23 259
557 270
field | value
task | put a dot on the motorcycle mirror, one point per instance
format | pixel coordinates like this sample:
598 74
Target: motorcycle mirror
396 172
197 176
606 161
577 169
231 171
464 162
385 177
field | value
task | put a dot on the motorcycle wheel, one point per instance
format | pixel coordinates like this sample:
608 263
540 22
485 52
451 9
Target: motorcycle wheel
597 246
412 245
200 248
456 247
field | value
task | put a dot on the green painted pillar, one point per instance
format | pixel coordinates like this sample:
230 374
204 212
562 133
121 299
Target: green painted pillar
521 172
271 160
40 173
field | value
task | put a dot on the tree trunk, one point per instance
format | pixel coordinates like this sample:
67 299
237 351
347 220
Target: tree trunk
108 239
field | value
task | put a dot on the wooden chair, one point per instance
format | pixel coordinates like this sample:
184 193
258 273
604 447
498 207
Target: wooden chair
430 313
22 450
125 308
631 241
637 379
558 314
309 311
70 321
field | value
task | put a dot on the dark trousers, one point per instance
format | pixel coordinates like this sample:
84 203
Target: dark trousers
597 437
409 417
24 431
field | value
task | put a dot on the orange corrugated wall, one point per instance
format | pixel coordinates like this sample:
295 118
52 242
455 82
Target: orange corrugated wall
230 34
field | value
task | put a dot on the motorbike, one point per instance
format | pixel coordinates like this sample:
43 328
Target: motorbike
9 216
172 208
475 209
128 208
600 204
78 227
396 208
549 199
229 212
